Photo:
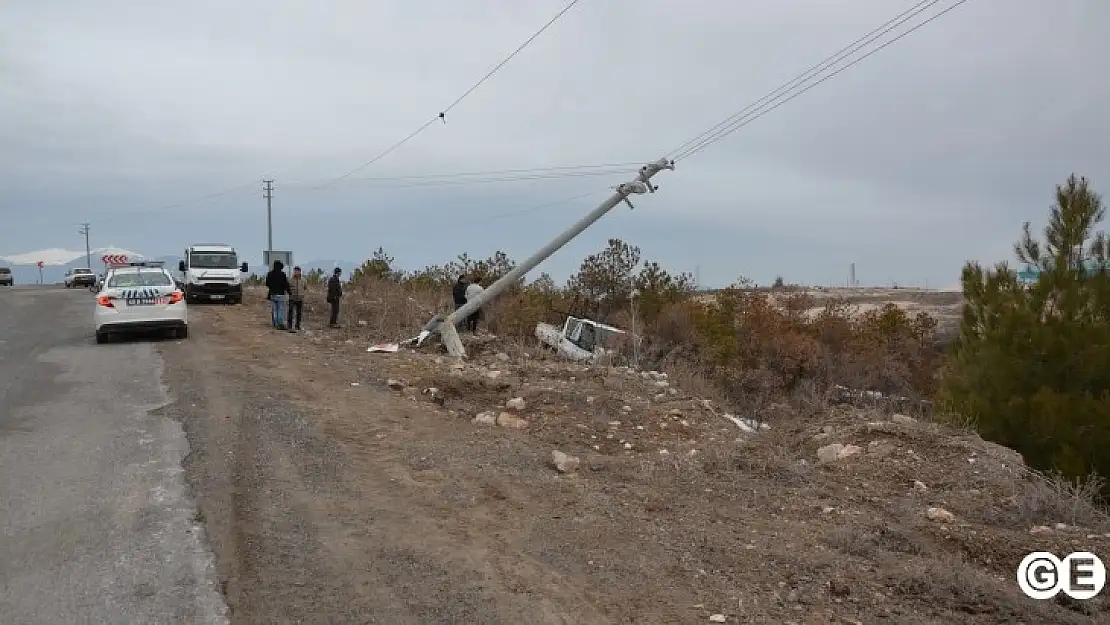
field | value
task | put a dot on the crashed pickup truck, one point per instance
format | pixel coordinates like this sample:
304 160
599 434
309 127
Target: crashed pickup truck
579 339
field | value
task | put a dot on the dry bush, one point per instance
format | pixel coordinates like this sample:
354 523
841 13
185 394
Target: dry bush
748 347
1050 498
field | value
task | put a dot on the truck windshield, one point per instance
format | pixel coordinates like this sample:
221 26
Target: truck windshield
213 260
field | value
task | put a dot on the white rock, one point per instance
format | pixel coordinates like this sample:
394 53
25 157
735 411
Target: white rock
626 409
1061 526
835 451
395 384
493 375
564 463
486 418
1040 530
920 486
590 399
516 403
502 356
903 419
508 420
940 515
717 618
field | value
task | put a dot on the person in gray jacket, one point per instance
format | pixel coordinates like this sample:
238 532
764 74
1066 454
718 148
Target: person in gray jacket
335 294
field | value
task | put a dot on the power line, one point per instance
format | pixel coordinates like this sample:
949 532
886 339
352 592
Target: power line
442 116
567 168
739 120
210 196
402 182
530 209
829 60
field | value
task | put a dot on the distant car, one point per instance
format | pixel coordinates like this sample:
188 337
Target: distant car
79 277
139 298
6 278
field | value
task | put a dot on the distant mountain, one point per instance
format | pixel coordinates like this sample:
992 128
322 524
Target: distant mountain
327 266
56 262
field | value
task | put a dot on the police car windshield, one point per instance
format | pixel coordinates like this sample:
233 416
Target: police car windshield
212 260
139 278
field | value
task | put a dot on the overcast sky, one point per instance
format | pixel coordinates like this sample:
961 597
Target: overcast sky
931 152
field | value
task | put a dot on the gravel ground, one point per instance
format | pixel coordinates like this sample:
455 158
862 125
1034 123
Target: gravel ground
330 497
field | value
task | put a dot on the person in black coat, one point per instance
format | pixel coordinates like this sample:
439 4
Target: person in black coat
335 294
277 284
459 291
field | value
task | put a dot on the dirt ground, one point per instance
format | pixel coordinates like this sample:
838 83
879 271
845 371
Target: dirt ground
340 486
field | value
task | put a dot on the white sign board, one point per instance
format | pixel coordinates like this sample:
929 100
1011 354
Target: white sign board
285 257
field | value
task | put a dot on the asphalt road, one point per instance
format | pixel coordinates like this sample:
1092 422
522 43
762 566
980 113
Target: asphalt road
97 525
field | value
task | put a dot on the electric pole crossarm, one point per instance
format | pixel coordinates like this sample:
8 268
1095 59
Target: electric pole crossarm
642 184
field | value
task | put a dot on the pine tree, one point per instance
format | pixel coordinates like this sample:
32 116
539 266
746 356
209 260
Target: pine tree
1031 366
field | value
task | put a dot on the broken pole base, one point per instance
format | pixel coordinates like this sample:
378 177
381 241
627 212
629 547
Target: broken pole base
449 335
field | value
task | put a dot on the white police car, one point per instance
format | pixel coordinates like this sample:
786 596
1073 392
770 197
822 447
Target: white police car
139 297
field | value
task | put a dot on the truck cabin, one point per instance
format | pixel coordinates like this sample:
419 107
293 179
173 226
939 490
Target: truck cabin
211 258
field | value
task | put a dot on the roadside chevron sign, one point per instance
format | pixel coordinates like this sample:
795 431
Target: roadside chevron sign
114 259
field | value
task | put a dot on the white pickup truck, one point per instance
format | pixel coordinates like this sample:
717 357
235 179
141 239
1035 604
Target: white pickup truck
211 272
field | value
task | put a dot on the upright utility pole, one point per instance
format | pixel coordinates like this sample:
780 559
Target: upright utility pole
268 193
88 252
642 184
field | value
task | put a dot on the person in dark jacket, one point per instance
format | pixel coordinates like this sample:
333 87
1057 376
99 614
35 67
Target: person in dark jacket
459 291
278 285
335 294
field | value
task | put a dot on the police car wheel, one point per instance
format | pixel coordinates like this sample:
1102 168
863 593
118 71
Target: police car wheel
101 338
183 333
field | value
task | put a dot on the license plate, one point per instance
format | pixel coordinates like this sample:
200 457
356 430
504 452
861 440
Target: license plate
217 296
148 301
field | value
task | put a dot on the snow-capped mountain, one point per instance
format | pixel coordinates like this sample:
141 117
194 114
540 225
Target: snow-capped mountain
56 257
56 261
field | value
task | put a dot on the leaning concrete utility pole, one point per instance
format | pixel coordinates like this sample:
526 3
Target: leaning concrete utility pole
642 184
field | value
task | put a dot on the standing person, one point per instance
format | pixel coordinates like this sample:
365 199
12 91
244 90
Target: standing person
278 285
296 300
458 292
335 294
473 290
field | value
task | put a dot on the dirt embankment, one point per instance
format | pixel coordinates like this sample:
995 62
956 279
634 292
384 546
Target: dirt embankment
340 486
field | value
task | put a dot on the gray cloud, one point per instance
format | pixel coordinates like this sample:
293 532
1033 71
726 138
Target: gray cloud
930 153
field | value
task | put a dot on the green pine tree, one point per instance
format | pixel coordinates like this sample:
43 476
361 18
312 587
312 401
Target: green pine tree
1031 366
